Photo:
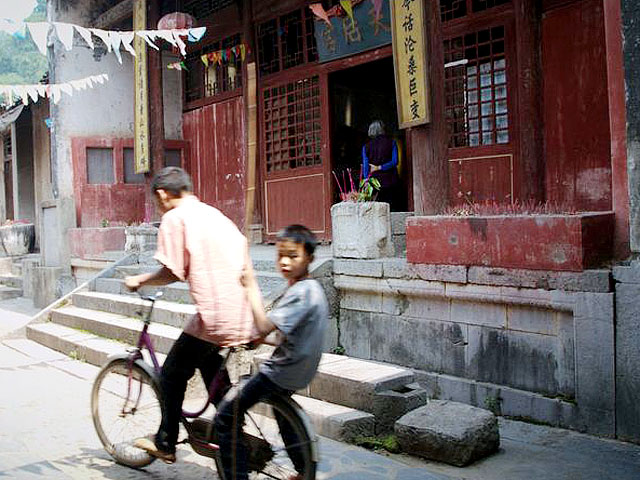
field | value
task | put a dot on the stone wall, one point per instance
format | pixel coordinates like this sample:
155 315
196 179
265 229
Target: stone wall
534 345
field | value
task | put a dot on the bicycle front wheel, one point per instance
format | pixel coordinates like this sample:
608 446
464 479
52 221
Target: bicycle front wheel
277 443
125 405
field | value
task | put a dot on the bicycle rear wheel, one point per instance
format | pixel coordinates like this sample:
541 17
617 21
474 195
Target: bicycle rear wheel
269 456
125 405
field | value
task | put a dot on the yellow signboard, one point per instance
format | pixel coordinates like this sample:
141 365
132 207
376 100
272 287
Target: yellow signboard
141 88
410 62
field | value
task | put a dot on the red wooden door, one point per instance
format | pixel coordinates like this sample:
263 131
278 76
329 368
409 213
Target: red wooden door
216 135
293 151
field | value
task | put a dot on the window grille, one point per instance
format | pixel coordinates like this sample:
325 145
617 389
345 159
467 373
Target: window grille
292 133
100 166
204 8
172 158
215 78
452 9
476 92
130 175
286 41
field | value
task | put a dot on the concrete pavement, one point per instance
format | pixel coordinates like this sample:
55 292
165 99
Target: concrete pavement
46 432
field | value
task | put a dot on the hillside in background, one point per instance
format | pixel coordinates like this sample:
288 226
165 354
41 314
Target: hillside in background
20 60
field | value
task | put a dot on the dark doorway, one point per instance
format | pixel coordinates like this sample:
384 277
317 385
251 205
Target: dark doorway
358 96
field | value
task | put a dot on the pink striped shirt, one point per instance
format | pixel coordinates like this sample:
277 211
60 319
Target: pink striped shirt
202 246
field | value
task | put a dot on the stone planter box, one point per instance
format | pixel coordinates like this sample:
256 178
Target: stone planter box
90 241
536 242
361 230
17 239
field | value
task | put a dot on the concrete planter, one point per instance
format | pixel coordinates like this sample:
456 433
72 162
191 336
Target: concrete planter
89 241
17 239
536 242
361 230
141 238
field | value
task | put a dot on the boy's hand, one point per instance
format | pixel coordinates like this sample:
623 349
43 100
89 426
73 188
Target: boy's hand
132 282
246 277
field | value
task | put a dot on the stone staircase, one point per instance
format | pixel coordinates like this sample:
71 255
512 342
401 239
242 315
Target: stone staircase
347 399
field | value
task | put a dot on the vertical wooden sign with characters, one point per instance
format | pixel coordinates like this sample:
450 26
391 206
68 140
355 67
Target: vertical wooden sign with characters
141 100
410 62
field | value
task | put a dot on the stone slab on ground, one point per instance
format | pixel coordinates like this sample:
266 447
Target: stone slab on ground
448 432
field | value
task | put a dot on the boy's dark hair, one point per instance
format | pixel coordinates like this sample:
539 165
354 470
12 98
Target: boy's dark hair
299 234
173 180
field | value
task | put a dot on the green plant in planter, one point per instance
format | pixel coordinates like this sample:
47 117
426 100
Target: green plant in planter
367 189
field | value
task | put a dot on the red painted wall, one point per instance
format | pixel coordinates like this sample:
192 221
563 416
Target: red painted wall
217 164
576 107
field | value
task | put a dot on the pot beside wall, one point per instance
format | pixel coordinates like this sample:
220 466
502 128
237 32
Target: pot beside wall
17 239
361 230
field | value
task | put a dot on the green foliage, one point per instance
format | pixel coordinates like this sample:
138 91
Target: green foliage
384 442
20 60
339 350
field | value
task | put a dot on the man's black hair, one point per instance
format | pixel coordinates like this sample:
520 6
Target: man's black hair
173 180
299 234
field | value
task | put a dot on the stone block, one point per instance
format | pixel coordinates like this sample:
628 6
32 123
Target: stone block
355 334
432 308
627 361
390 405
362 301
6 265
448 432
361 230
586 281
532 320
45 285
627 274
399 222
595 352
28 276
359 268
141 238
484 314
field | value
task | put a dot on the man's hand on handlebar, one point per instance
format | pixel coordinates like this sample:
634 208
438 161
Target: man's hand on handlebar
132 282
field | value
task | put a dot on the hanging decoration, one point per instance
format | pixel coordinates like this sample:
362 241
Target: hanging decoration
225 55
24 93
112 39
345 7
177 66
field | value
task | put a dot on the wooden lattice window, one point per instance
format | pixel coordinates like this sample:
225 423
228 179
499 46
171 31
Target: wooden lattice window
286 41
452 9
477 109
292 133
217 77
204 8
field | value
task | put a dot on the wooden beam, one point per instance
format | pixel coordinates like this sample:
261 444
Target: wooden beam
115 14
429 152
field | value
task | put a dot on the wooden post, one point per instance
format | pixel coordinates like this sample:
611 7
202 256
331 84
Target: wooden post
141 105
429 155
156 104
528 20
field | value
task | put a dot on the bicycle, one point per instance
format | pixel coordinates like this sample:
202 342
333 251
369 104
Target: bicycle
125 405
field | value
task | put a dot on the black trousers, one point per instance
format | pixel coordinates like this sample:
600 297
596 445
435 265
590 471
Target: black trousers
231 414
186 354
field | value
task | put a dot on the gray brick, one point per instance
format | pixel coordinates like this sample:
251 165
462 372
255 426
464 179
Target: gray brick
474 313
587 281
359 268
533 320
363 301
355 333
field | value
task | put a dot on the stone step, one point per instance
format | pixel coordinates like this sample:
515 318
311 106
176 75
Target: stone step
333 421
175 292
127 270
109 256
74 343
115 327
383 390
13 281
168 313
7 293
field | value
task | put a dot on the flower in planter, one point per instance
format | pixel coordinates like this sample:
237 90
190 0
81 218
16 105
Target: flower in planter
367 190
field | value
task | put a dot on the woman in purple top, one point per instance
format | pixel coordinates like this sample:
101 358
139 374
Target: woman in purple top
380 160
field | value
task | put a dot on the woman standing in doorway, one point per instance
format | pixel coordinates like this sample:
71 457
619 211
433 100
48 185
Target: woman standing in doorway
380 160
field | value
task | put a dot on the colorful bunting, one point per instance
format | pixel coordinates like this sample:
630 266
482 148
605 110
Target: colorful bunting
225 55
377 8
319 11
112 39
177 66
53 91
348 8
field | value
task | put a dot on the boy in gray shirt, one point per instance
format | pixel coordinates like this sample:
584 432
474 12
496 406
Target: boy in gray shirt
300 319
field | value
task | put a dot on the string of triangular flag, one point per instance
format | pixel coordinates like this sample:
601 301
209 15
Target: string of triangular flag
11 93
225 55
112 39
345 7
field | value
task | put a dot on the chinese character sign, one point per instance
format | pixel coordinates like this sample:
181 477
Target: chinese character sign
343 34
409 55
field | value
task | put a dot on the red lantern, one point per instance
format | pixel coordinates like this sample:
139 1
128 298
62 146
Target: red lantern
176 21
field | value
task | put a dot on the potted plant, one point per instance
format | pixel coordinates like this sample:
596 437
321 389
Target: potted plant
361 226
